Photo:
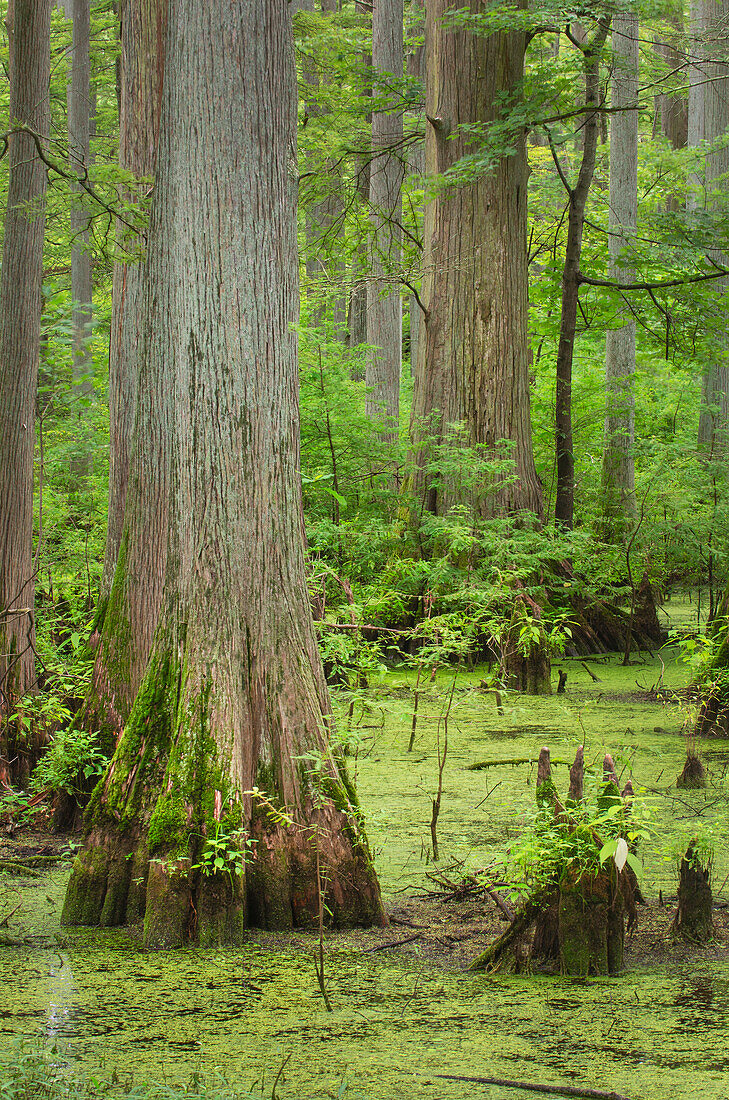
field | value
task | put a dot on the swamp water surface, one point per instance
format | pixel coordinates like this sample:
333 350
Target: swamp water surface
400 1019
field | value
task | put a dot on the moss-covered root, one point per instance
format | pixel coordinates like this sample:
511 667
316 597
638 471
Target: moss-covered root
99 888
169 910
296 865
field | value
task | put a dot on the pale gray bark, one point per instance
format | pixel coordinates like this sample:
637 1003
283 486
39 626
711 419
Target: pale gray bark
360 259
79 140
618 467
416 159
384 303
325 268
708 119
28 23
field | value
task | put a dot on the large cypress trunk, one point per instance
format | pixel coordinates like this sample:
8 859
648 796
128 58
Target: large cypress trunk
473 351
227 742
28 24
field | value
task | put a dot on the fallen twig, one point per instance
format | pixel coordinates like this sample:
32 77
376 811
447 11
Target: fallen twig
554 1090
588 670
392 943
500 903
513 761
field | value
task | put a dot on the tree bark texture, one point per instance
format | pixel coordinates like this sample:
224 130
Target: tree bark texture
565 459
20 325
79 142
387 170
134 561
708 121
473 349
672 108
360 260
325 267
618 464
416 167
142 32
234 693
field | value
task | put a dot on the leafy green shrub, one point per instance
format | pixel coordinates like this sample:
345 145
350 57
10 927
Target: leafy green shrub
71 764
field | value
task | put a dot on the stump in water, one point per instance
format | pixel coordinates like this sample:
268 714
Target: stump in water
591 924
526 654
646 624
693 775
693 920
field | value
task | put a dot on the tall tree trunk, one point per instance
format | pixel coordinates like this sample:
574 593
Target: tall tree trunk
671 108
416 157
708 121
325 267
134 590
29 28
473 351
79 142
358 298
565 496
618 467
384 303
226 739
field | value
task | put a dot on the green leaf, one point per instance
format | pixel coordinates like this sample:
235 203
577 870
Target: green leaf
608 850
635 864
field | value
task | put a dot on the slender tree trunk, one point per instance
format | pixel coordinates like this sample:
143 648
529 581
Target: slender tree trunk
325 268
28 24
358 298
79 141
671 108
565 495
416 69
618 468
134 563
473 350
226 738
384 303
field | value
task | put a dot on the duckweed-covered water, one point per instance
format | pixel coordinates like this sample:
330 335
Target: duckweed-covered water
399 1020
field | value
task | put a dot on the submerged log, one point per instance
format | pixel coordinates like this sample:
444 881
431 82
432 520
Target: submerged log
693 920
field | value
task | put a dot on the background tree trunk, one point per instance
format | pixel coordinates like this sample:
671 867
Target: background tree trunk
671 108
226 737
473 349
29 23
618 464
142 32
131 589
325 218
358 298
708 121
384 303
79 145
564 506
